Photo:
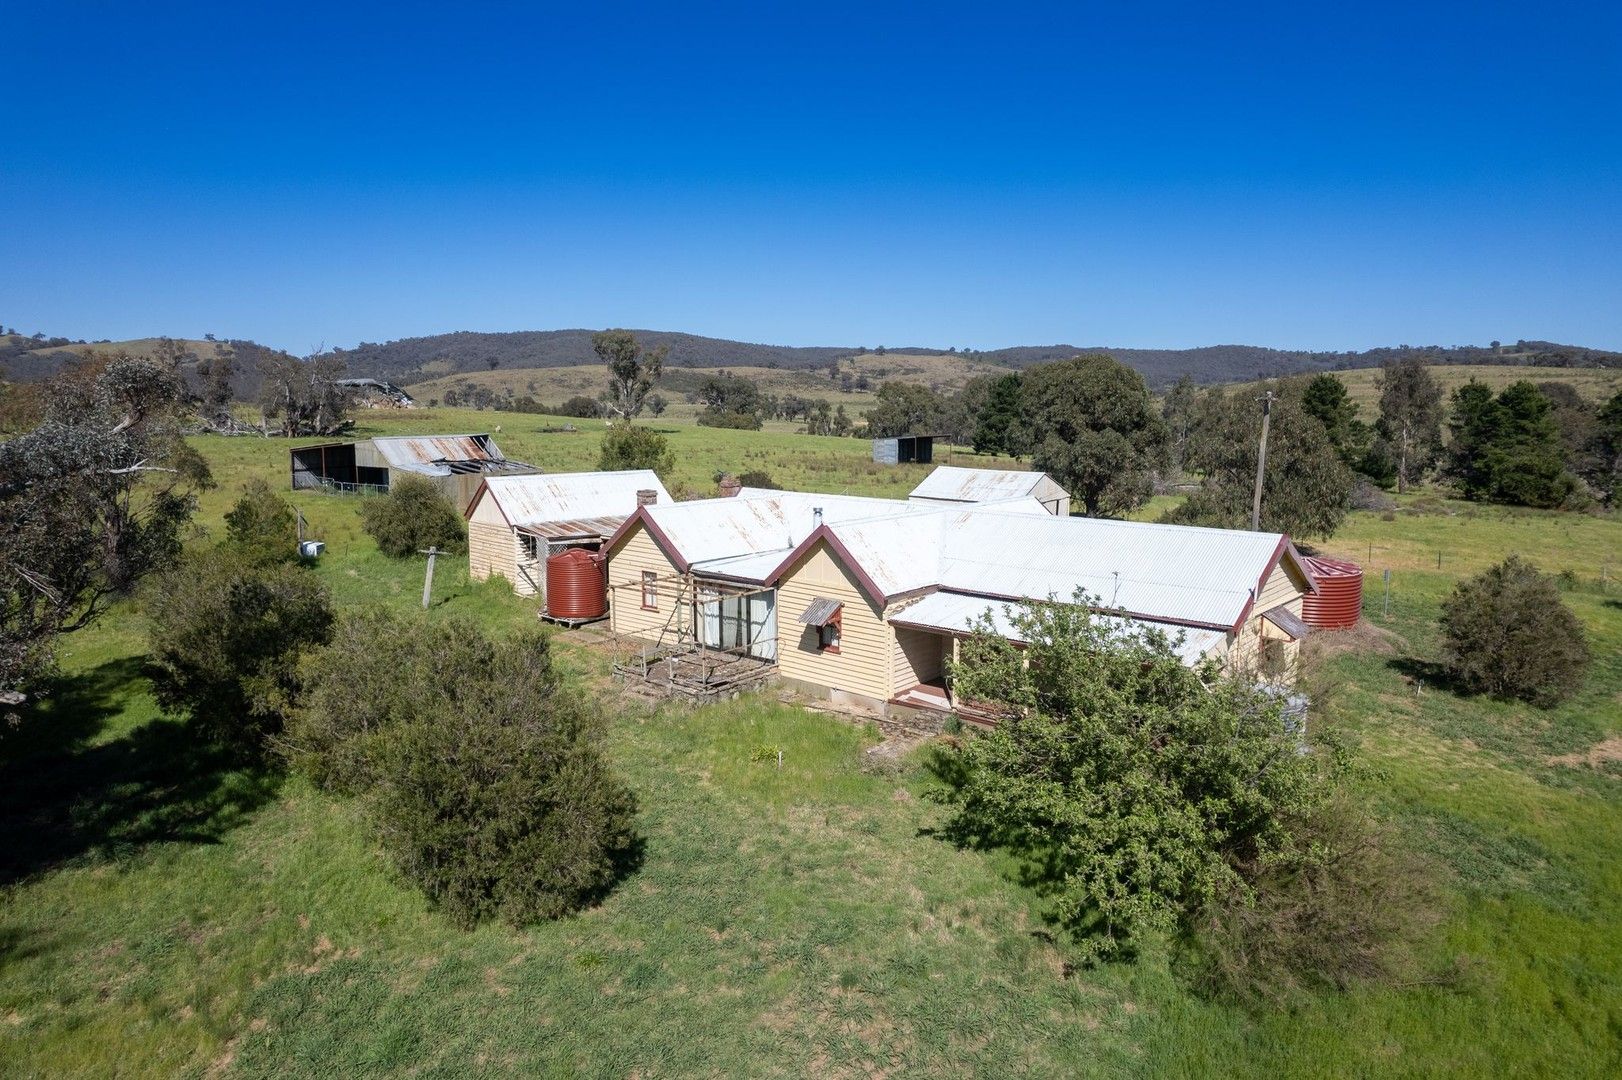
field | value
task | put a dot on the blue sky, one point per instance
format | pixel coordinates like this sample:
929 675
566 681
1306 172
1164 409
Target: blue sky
986 175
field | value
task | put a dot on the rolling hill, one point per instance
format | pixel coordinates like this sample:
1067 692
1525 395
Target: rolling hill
421 360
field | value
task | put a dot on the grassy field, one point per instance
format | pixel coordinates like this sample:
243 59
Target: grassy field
1596 384
815 463
552 386
165 913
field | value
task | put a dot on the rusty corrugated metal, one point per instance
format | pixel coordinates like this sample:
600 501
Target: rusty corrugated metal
1338 603
566 497
575 586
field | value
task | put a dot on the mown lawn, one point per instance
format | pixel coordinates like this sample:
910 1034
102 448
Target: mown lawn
164 913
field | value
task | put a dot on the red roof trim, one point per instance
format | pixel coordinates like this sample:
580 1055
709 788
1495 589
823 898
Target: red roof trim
822 532
646 520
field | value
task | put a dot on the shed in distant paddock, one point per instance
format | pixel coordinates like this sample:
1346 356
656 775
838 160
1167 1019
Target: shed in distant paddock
905 449
457 463
515 522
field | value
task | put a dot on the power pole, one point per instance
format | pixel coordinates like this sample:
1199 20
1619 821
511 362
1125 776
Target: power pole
1261 462
428 579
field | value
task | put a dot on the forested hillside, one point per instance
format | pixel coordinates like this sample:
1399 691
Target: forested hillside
419 359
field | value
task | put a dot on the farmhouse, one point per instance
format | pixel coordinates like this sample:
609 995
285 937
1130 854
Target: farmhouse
457 463
515 522
866 599
953 485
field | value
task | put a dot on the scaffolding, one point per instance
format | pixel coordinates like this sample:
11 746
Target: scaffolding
679 662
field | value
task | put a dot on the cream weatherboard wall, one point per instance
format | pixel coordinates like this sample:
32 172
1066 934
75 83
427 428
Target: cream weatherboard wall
494 549
918 657
635 553
1284 586
862 665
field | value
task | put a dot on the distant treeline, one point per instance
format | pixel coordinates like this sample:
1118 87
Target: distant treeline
413 360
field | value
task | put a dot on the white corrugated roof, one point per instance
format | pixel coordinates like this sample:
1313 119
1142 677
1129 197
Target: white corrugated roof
1178 573
1012 549
756 522
961 613
952 483
528 500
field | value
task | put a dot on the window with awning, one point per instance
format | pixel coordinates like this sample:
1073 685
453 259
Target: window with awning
824 615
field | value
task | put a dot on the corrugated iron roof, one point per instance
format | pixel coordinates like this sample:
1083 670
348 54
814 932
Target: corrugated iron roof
442 455
565 497
574 528
963 613
820 612
1013 549
1177 573
951 483
1287 621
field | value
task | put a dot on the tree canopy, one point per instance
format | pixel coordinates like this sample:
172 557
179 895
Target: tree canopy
1410 424
632 371
1091 425
1306 491
1508 448
94 499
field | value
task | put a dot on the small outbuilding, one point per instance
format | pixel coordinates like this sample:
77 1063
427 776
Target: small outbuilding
949 484
516 523
905 449
457 463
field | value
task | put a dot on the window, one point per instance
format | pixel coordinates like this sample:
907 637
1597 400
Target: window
828 635
650 591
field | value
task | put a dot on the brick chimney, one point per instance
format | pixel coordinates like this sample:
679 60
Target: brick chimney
647 497
730 485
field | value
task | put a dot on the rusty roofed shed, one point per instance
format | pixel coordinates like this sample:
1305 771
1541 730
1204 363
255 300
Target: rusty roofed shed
457 463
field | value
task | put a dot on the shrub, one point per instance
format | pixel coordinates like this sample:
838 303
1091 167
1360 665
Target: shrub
580 406
261 526
626 446
489 782
1142 792
1507 633
226 636
413 516
741 421
758 479
1345 905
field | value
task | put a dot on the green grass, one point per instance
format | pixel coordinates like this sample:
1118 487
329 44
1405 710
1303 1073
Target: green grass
1362 384
164 913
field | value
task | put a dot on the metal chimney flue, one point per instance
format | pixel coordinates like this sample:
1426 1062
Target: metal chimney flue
816 517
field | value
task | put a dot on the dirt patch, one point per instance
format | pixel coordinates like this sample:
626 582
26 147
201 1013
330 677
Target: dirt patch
1605 752
1365 637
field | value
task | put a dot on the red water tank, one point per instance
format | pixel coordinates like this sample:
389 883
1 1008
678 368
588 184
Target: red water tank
1339 599
575 586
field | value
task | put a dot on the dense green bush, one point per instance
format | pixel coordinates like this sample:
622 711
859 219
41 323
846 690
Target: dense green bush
1144 789
261 526
226 636
1507 633
490 786
756 478
415 515
740 421
1346 904
581 406
627 446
